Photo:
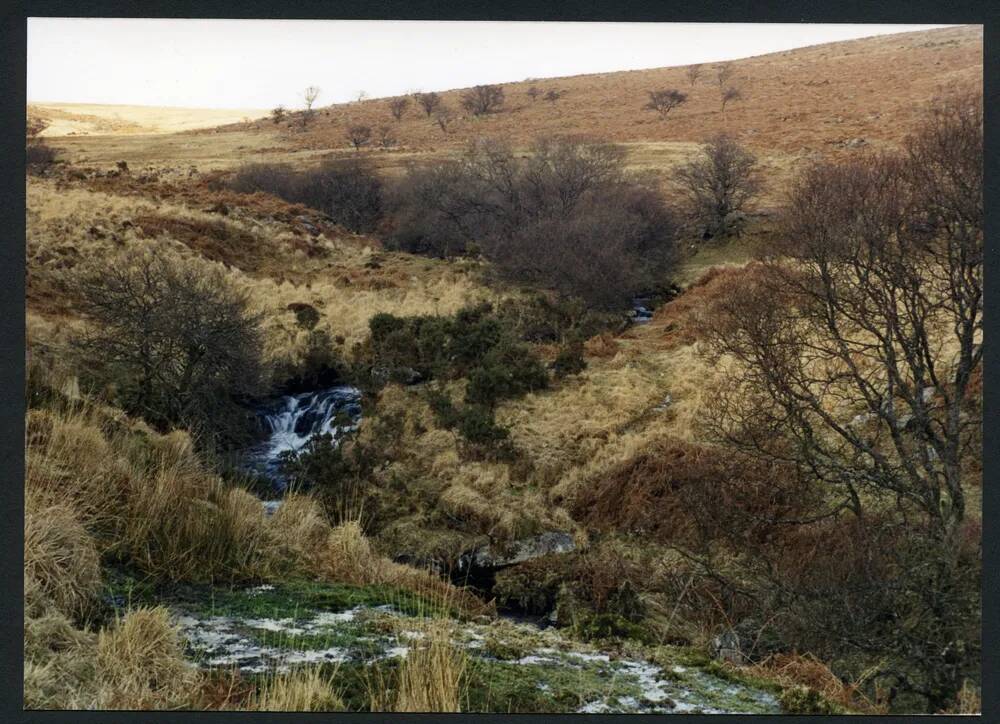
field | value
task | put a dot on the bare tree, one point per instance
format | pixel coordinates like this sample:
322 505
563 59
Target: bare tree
664 101
398 106
693 73
730 94
429 102
719 184
359 135
361 95
857 348
553 95
533 92
278 114
723 73
443 117
483 99
309 95
385 136
175 335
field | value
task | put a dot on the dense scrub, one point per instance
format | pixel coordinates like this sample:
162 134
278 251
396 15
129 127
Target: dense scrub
567 217
349 192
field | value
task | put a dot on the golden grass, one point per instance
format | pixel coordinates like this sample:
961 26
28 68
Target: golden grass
794 669
88 119
306 689
140 664
59 664
61 564
430 678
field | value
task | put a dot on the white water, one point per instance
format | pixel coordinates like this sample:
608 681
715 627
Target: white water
293 420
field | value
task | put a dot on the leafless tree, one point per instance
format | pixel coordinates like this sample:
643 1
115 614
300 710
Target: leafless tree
857 348
533 92
443 117
429 102
309 95
398 106
693 73
723 73
483 99
359 135
730 94
553 95
177 337
385 136
718 184
278 114
664 101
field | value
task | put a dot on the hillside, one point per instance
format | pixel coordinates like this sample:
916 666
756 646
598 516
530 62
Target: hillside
95 119
793 101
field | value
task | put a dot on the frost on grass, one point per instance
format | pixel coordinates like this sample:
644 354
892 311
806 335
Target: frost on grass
565 674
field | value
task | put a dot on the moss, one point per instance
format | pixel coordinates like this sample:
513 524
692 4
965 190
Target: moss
291 599
497 686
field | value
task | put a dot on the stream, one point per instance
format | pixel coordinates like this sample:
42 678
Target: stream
266 630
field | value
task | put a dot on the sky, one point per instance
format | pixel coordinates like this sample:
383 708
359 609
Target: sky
263 63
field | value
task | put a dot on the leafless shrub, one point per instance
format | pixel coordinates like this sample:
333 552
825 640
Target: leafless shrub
178 338
483 99
553 95
385 136
664 101
693 73
398 106
443 117
858 346
429 102
718 185
359 135
569 217
534 92
723 73
278 114
730 94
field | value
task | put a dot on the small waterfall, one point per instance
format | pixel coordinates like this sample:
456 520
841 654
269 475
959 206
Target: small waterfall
291 421
641 313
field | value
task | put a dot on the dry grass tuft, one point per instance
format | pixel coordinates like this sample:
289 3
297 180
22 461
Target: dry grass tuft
59 668
806 670
300 690
61 564
140 664
430 679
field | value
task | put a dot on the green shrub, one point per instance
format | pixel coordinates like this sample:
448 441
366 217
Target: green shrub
508 370
569 361
476 424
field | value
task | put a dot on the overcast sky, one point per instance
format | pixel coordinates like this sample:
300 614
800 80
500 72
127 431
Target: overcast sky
261 63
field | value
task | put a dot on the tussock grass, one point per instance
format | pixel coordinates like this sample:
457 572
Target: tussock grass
430 678
307 689
61 564
140 664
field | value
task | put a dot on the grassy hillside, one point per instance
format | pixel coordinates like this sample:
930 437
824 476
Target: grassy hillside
97 119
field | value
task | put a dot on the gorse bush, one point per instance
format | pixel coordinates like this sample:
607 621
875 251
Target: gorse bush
348 191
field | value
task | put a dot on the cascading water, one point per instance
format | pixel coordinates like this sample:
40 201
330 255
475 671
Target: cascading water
293 420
